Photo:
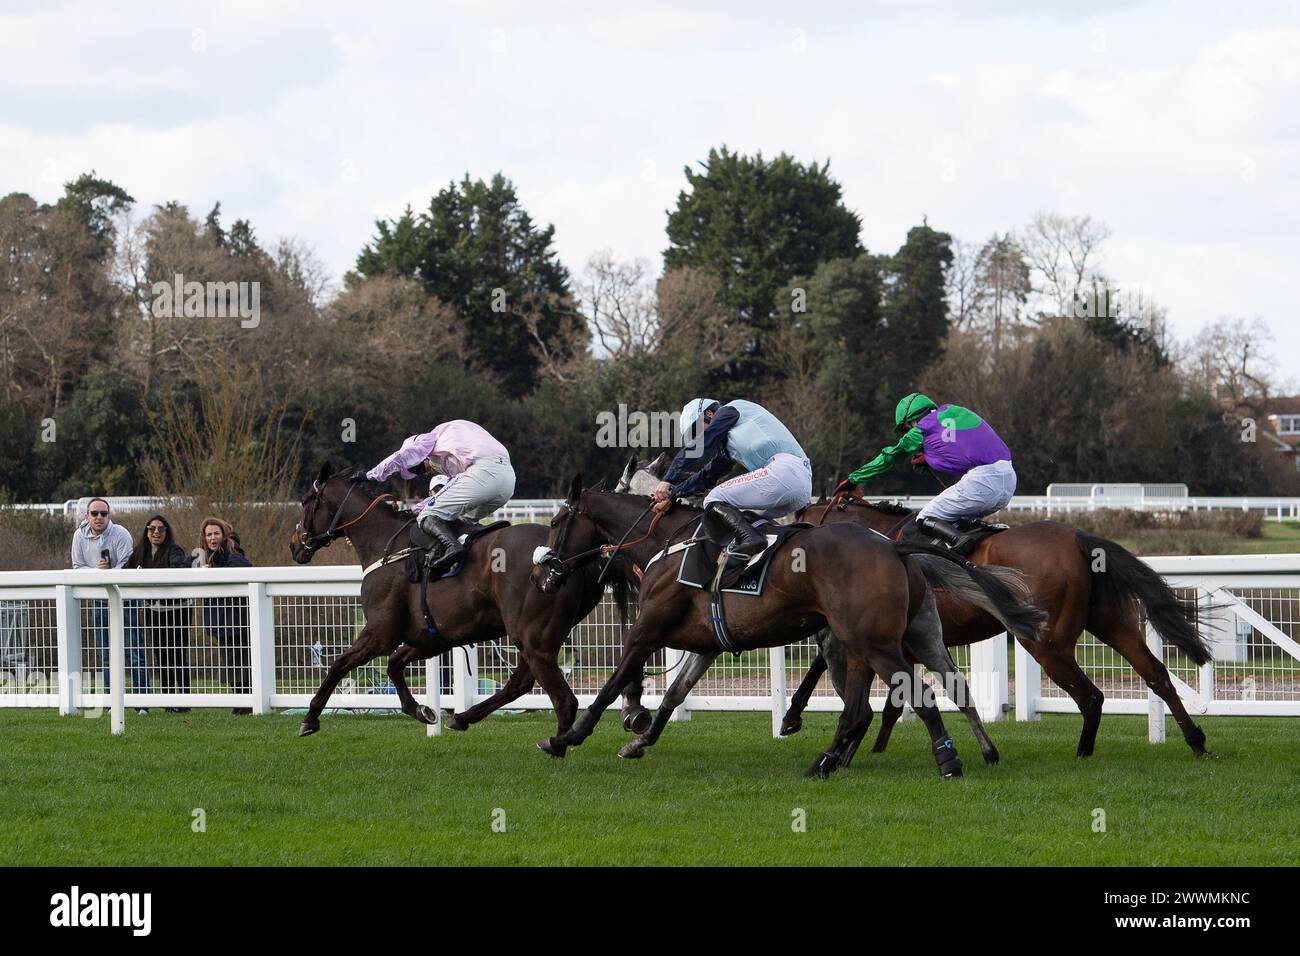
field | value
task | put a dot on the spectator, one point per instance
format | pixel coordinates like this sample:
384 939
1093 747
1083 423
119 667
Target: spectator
226 619
99 543
165 622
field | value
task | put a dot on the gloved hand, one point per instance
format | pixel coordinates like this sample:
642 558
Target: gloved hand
846 487
918 462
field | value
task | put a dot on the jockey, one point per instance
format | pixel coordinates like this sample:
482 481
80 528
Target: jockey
480 480
778 480
956 441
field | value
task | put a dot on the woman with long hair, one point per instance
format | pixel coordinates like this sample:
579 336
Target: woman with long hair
164 622
226 619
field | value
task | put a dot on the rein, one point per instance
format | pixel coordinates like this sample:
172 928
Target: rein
317 541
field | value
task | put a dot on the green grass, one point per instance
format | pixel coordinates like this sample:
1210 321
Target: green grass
717 790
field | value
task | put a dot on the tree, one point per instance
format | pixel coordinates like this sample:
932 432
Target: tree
915 307
477 249
1003 276
756 225
1063 252
1230 361
96 203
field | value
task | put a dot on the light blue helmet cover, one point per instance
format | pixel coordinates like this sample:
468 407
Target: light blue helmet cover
691 413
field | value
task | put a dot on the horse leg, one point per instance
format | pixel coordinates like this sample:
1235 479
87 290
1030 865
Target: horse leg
792 723
547 669
692 670
517 684
1119 629
1060 666
856 741
634 715
397 674
370 643
924 638
888 717
640 645
910 690
852 721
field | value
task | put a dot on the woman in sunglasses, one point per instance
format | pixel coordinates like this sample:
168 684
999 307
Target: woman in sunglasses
165 622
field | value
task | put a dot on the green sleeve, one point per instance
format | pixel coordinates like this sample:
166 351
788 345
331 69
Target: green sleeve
908 445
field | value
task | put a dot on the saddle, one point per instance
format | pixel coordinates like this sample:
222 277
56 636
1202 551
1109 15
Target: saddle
704 565
974 530
422 544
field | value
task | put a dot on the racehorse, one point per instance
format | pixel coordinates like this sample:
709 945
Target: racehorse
1080 579
891 595
491 597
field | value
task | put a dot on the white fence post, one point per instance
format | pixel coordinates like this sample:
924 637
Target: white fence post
117 660
68 634
433 694
261 635
1155 706
988 677
464 683
776 657
674 661
1029 684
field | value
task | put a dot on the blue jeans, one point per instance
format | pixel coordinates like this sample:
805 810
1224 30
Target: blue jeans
130 638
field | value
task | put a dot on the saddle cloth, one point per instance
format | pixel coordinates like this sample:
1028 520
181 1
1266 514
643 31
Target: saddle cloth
466 531
700 558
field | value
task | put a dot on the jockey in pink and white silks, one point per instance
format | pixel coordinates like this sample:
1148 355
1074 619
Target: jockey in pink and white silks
777 482
481 479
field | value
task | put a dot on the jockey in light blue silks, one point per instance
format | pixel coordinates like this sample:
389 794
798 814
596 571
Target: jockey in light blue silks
481 480
778 477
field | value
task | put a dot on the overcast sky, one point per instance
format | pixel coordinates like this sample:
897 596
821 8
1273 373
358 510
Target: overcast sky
1177 123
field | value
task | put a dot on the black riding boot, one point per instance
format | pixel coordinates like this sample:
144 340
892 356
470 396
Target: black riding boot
946 532
452 550
741 538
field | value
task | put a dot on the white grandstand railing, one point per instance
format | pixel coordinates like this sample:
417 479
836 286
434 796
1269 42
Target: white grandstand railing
282 625
542 509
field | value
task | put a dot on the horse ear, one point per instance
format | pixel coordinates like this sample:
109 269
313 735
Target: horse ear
598 485
575 488
628 470
325 471
657 466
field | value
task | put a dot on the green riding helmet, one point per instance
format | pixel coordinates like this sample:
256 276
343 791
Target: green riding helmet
913 406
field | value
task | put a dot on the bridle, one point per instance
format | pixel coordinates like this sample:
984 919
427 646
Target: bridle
560 568
311 543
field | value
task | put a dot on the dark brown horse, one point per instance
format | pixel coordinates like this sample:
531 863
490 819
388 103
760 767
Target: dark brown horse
492 597
1080 579
803 593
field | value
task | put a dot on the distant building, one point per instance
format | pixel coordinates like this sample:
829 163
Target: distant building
1283 417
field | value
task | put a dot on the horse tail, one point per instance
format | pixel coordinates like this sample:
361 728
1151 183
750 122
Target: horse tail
1000 592
1124 577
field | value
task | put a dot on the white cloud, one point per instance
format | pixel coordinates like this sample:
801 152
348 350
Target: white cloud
1173 122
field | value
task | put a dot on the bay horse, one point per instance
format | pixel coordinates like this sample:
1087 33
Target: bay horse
491 597
891 595
1081 580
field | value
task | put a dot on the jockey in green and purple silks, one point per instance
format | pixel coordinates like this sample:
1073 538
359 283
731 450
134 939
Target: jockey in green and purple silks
956 441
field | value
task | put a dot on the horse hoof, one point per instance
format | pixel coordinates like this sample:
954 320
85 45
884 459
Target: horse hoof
822 768
552 746
633 750
306 730
991 757
456 722
426 715
1206 755
952 774
637 721
791 726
